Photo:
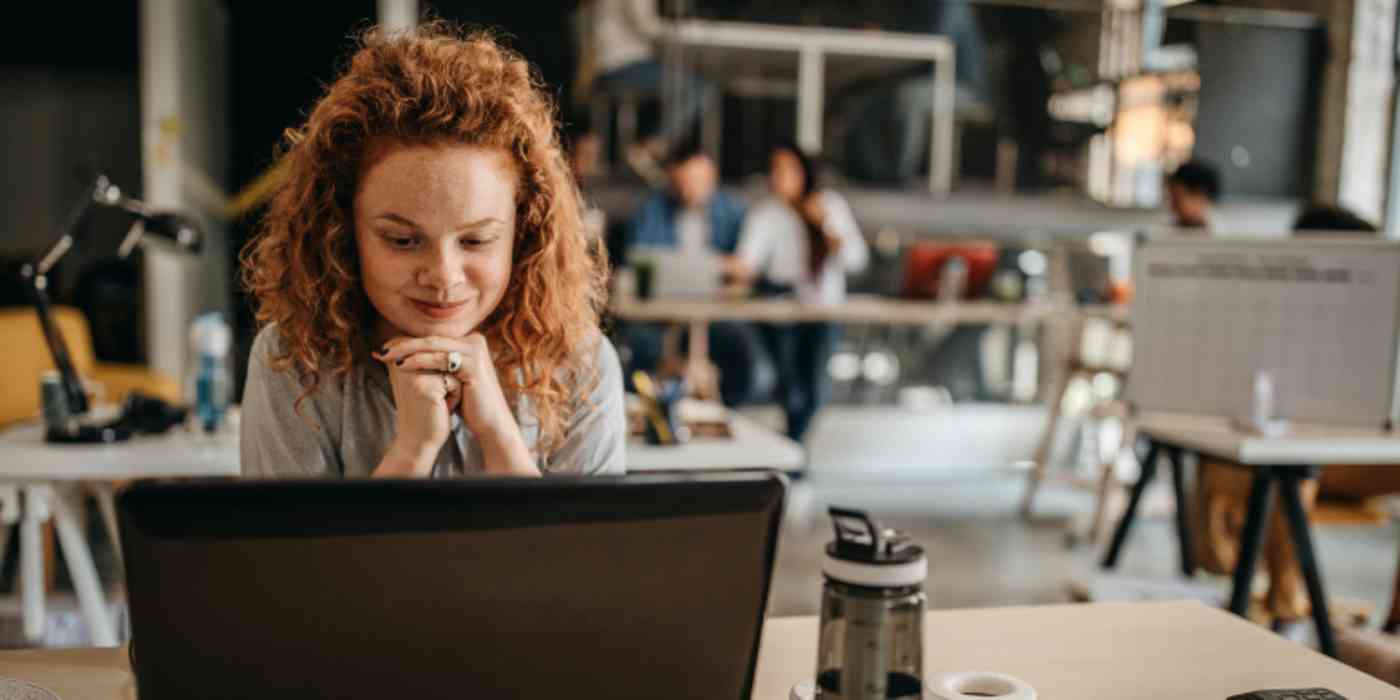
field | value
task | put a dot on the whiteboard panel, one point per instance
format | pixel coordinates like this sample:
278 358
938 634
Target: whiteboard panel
1319 314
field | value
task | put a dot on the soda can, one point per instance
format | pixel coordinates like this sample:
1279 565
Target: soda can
53 400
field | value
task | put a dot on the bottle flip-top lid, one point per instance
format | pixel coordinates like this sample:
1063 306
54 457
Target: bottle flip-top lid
866 554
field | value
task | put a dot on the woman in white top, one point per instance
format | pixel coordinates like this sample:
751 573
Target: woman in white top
800 241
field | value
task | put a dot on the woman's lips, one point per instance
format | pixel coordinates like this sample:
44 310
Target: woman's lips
438 311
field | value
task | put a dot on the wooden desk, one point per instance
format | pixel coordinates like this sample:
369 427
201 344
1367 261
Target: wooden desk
1287 460
1133 651
1136 651
857 308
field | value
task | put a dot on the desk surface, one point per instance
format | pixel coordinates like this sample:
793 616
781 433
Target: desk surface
1134 651
858 308
1304 443
25 456
750 446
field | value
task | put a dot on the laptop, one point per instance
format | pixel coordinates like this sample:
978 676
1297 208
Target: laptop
682 274
621 587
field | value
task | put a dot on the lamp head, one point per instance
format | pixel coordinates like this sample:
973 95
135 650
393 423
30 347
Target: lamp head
182 230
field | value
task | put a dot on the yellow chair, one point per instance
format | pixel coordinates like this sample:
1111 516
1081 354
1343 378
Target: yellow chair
27 357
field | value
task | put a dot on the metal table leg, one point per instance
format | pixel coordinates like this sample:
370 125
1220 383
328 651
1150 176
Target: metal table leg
1256 515
1120 535
1290 487
1183 509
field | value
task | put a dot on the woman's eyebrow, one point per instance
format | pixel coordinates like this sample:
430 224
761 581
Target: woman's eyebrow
482 224
391 216
489 222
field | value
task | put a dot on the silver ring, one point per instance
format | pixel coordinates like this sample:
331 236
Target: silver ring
454 362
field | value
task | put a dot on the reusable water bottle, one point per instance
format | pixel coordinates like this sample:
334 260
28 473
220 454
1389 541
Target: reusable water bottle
209 379
872 614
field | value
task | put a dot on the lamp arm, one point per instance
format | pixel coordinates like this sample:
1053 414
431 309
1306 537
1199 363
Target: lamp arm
36 279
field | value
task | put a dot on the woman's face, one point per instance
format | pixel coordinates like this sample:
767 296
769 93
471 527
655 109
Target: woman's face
435 229
785 176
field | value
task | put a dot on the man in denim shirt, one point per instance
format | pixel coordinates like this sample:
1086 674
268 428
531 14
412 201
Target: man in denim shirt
693 216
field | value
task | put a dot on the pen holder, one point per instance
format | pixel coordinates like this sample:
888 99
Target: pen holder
663 427
660 406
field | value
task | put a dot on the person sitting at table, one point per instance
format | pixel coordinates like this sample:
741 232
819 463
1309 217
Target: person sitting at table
617 53
800 241
428 295
1222 490
1192 191
693 216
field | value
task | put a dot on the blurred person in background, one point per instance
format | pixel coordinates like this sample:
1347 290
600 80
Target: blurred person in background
888 139
693 216
1192 191
617 46
1222 488
800 241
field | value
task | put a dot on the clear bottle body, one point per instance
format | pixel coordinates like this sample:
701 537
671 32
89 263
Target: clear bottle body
871 645
207 391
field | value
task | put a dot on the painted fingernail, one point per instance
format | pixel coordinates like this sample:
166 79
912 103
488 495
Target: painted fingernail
384 350
399 361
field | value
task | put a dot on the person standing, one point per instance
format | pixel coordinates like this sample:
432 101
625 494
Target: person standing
801 241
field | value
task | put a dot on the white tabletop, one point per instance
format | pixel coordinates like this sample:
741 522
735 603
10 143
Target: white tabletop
1303 443
24 456
752 446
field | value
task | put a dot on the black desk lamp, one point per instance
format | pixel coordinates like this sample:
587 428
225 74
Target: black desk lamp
182 231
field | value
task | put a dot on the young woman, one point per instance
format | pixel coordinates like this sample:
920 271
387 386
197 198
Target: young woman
800 241
428 295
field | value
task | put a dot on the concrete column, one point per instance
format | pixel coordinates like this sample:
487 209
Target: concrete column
185 161
1361 182
397 14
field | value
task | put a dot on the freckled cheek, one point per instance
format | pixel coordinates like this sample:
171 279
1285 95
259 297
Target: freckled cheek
385 274
489 277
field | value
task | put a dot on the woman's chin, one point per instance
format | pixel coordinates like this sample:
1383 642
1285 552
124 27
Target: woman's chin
422 328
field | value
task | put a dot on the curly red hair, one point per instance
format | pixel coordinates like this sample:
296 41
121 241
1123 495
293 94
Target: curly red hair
431 85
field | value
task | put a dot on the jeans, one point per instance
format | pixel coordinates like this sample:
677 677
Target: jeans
889 137
646 78
800 353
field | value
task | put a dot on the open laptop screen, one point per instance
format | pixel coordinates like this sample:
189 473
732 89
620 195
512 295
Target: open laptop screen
593 587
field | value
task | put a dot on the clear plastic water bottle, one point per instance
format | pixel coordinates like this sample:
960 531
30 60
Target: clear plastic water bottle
210 380
872 614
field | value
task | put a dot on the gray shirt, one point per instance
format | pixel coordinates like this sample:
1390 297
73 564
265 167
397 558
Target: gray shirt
346 426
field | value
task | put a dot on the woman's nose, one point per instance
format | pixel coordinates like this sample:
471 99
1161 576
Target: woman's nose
442 272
